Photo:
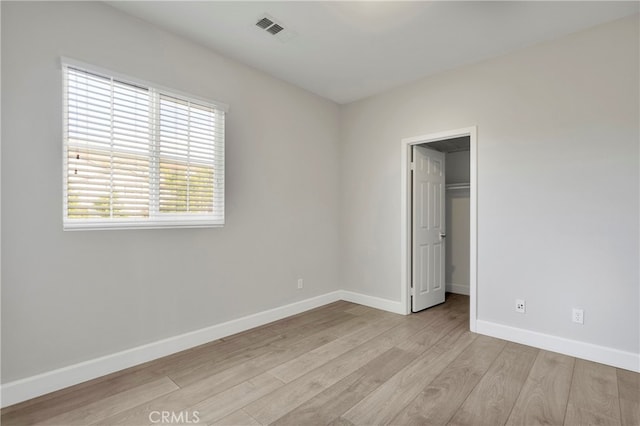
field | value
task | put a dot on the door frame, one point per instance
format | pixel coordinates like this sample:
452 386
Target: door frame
405 215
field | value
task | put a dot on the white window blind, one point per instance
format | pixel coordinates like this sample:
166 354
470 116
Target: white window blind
137 156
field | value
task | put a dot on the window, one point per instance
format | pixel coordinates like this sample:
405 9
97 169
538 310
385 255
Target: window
138 156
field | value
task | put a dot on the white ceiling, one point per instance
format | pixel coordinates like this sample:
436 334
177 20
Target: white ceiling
345 51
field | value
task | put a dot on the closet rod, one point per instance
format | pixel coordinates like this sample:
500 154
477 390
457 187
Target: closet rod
457 186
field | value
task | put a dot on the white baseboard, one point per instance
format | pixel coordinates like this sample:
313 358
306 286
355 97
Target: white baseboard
458 288
588 351
373 302
31 387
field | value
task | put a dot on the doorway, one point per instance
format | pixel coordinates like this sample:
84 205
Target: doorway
438 141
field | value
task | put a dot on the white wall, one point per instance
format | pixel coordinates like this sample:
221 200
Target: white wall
457 219
558 182
73 296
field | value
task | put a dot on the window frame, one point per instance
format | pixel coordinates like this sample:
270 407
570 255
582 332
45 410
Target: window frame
155 220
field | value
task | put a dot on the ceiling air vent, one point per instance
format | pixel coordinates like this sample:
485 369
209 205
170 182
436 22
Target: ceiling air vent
264 23
273 27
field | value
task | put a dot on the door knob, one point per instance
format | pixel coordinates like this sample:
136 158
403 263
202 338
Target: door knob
442 235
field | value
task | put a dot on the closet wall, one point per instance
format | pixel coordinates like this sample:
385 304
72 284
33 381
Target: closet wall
457 217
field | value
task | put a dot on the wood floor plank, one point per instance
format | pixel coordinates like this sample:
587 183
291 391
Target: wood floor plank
238 418
629 412
210 385
176 401
106 407
338 398
593 398
360 310
628 384
185 375
228 377
51 405
291 370
494 396
248 340
274 406
285 399
544 396
225 403
437 327
244 345
439 401
629 394
383 404
185 371
272 356
340 421
285 326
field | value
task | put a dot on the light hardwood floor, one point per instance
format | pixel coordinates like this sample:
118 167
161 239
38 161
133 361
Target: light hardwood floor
345 364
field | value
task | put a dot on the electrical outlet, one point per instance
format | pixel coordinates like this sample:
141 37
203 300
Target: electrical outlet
578 316
300 283
520 306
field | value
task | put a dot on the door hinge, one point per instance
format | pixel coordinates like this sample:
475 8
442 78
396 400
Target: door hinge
413 165
413 291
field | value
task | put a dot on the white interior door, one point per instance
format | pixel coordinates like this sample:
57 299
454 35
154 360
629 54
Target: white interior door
428 233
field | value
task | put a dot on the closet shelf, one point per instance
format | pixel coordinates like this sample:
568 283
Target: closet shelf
454 186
